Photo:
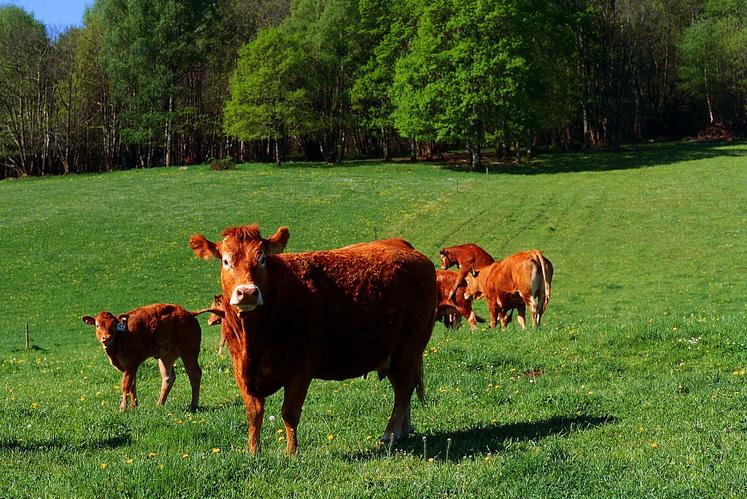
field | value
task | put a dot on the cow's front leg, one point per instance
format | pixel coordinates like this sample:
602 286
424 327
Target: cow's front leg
255 411
293 398
128 389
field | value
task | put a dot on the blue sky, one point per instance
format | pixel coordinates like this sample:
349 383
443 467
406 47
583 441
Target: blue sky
54 13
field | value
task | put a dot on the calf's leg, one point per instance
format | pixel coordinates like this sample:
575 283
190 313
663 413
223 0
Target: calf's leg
168 375
194 373
128 389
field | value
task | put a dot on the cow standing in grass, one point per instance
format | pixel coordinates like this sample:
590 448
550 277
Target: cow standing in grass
518 281
163 331
334 314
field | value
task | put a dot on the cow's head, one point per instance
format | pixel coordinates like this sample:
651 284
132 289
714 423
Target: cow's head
446 260
107 327
474 287
215 319
243 253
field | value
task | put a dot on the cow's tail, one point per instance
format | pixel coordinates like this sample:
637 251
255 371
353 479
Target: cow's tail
419 385
546 300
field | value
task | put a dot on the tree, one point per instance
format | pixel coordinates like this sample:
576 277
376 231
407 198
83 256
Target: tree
463 74
148 47
25 93
268 98
714 70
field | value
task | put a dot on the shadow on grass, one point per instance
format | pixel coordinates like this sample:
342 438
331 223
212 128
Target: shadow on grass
57 443
484 439
626 158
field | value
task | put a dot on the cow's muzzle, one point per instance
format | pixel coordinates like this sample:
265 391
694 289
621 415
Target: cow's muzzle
246 297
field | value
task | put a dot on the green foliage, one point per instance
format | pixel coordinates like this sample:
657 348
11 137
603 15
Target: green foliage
634 386
268 94
714 50
147 45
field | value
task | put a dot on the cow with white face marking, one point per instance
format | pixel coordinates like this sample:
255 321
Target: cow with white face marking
335 314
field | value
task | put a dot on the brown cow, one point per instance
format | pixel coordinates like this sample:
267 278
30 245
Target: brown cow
467 257
452 310
333 314
520 280
216 317
163 331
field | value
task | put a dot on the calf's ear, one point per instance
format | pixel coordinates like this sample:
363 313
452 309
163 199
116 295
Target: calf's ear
89 320
277 242
203 248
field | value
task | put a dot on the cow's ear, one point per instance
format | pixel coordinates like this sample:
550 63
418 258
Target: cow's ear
89 320
277 242
203 248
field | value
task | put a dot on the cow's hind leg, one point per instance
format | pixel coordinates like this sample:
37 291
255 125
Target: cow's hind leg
404 379
295 394
168 375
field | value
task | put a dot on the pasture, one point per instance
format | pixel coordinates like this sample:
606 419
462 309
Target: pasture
635 385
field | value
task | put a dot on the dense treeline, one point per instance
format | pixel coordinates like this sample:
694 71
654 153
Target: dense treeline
169 82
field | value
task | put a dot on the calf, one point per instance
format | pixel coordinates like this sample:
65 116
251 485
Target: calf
451 310
165 332
216 317
336 314
467 257
520 280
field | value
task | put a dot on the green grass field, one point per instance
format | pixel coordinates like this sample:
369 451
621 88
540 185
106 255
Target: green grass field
634 386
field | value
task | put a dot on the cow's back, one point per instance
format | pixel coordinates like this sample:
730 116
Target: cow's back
357 305
160 324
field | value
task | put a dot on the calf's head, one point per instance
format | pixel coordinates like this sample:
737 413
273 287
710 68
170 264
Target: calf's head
215 319
243 253
107 327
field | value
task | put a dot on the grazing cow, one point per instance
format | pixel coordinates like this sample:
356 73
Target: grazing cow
451 310
163 331
216 317
520 280
334 314
467 257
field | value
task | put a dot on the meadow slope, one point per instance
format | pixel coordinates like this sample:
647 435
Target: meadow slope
634 386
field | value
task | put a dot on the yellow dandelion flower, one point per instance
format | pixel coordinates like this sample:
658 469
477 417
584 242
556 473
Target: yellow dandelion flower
430 459
34 405
369 437
590 392
215 450
82 398
104 466
641 429
185 455
151 455
160 466
330 437
654 445
129 461
281 438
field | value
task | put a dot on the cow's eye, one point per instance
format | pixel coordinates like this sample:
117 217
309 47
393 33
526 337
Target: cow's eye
262 260
226 263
